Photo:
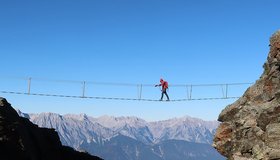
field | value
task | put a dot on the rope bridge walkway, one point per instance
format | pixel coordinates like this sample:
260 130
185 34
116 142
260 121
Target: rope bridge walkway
84 86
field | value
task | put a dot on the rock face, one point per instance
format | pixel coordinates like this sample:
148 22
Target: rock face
250 127
22 140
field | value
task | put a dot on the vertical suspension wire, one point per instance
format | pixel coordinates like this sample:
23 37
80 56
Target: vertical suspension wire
29 85
188 95
223 92
84 89
191 92
226 90
139 86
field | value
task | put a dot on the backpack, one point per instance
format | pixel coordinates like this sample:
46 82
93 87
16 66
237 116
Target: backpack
166 84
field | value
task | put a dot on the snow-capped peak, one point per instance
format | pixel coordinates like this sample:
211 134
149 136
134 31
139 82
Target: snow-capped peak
99 129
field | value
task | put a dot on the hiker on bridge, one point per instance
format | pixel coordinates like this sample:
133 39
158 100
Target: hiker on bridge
164 87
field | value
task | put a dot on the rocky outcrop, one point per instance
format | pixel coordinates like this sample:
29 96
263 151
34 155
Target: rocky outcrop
22 140
250 127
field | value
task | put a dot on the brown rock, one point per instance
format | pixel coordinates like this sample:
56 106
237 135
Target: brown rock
250 127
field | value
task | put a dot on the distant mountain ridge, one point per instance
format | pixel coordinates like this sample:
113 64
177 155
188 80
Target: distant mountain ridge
128 137
105 127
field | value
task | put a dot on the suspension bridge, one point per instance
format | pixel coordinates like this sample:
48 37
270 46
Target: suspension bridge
188 92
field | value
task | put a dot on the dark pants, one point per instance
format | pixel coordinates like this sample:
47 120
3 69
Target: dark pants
164 92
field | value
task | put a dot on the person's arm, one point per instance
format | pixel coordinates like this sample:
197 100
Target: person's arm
157 85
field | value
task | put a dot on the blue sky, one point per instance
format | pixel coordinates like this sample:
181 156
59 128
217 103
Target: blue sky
132 41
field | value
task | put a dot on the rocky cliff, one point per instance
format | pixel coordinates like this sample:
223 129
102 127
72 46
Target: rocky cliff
22 140
250 127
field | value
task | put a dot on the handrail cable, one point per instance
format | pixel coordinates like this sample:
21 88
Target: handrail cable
189 87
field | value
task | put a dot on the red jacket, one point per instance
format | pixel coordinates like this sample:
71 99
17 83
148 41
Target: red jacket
164 84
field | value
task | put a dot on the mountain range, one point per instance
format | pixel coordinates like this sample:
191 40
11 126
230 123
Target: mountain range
132 138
